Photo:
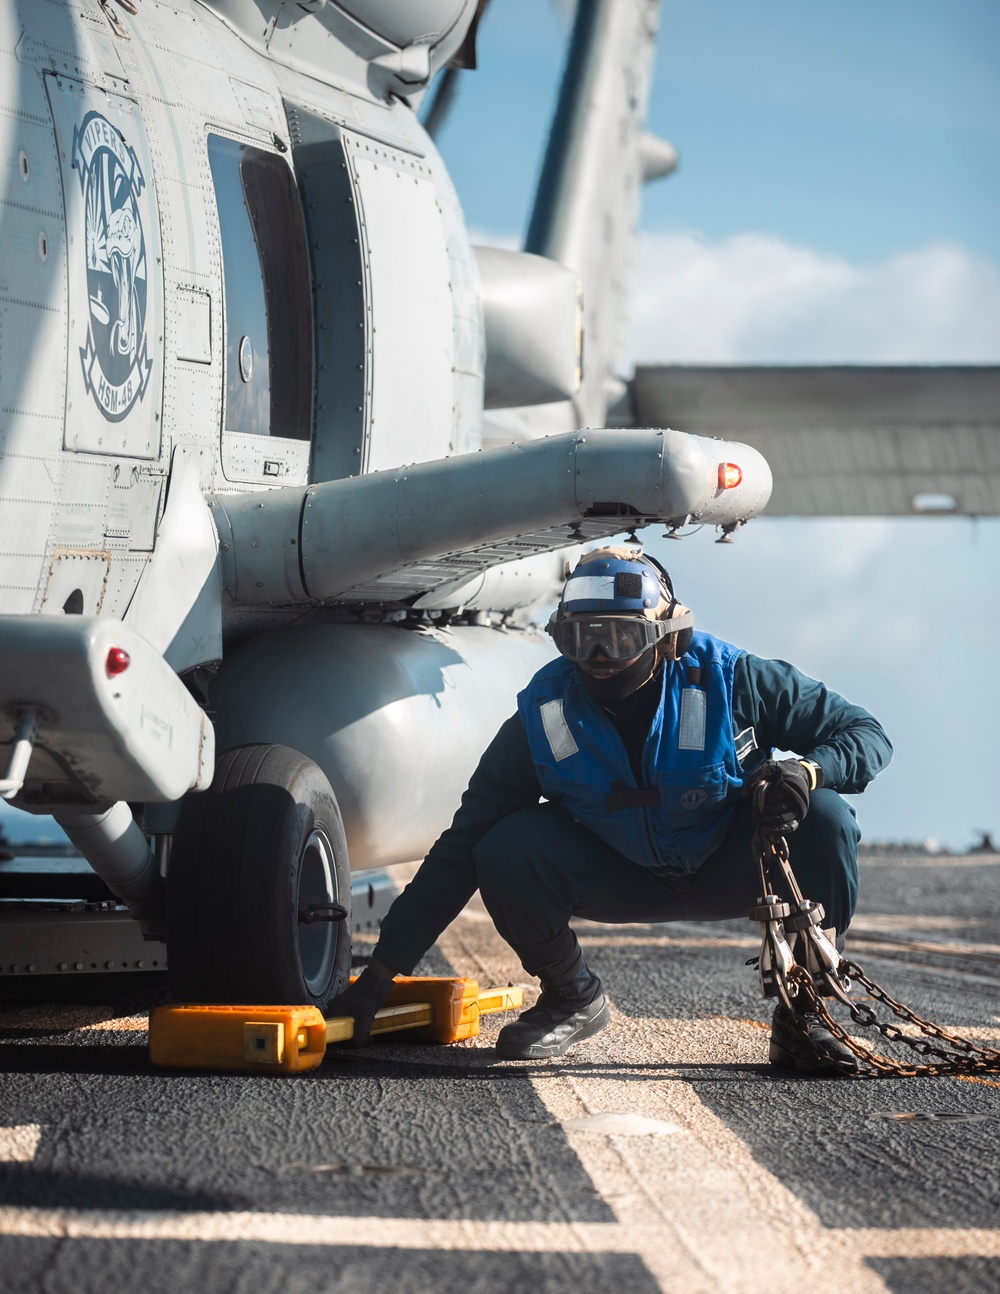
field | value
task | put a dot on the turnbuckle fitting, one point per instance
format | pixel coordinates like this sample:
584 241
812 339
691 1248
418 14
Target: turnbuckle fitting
769 908
810 913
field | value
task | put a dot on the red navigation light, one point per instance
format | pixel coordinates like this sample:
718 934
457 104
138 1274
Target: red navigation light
118 660
729 476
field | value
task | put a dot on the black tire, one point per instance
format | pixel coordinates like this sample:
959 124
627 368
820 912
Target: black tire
266 837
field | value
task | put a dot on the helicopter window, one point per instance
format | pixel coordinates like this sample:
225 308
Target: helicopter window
267 292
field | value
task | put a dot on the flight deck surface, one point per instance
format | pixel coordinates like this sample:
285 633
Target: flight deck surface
663 1155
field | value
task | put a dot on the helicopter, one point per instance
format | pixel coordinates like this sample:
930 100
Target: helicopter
287 466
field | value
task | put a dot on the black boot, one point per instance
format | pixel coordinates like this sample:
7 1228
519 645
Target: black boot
820 1052
571 1008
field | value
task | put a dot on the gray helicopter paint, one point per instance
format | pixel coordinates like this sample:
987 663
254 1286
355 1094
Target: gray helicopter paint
523 585
353 45
88 524
296 520
134 506
76 579
135 735
381 717
174 119
114 844
177 605
342 373
423 525
404 244
408 24
57 499
587 201
33 322
586 204
193 324
531 318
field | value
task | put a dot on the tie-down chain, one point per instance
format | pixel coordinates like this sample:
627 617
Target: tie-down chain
822 973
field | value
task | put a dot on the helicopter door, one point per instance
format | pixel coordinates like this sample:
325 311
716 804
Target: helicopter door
267 417
410 290
114 382
385 300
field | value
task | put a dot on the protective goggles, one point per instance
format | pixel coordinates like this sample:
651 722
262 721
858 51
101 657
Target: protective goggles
618 637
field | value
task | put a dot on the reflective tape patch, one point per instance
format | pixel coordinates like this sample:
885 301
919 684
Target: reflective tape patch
745 742
584 588
557 731
694 713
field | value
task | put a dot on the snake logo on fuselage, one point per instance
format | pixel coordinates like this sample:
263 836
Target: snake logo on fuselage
116 363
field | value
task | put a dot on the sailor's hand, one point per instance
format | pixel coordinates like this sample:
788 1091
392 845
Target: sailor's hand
780 791
360 1001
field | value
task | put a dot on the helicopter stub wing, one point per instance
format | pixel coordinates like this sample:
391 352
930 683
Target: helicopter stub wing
391 535
846 440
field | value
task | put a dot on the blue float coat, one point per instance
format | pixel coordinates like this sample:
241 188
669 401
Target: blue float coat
689 763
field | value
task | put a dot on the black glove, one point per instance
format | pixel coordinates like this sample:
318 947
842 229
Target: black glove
780 790
360 1001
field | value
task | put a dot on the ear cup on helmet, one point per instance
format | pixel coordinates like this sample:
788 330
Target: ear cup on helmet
674 646
683 642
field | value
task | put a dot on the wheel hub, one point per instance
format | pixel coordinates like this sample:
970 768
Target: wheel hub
317 890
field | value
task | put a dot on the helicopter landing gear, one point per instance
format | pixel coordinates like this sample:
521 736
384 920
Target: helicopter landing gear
259 889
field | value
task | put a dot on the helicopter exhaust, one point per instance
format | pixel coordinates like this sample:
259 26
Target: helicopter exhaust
321 543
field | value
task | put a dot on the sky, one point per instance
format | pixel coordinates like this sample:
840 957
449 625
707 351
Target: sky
837 201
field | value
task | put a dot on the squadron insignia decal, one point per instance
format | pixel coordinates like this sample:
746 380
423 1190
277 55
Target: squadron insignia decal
116 363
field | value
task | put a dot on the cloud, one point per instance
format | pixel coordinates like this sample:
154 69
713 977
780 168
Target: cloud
753 298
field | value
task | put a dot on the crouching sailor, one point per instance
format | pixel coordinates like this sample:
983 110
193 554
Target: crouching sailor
642 739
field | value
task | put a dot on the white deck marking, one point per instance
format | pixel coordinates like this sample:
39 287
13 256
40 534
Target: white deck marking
697 1208
912 1242
647 1240
699 1205
19 1144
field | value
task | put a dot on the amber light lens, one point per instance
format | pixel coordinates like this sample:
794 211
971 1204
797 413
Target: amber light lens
729 476
118 660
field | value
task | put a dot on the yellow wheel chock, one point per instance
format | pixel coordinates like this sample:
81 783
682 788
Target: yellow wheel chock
291 1039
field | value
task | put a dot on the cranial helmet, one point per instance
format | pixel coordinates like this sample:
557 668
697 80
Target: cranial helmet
622 602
